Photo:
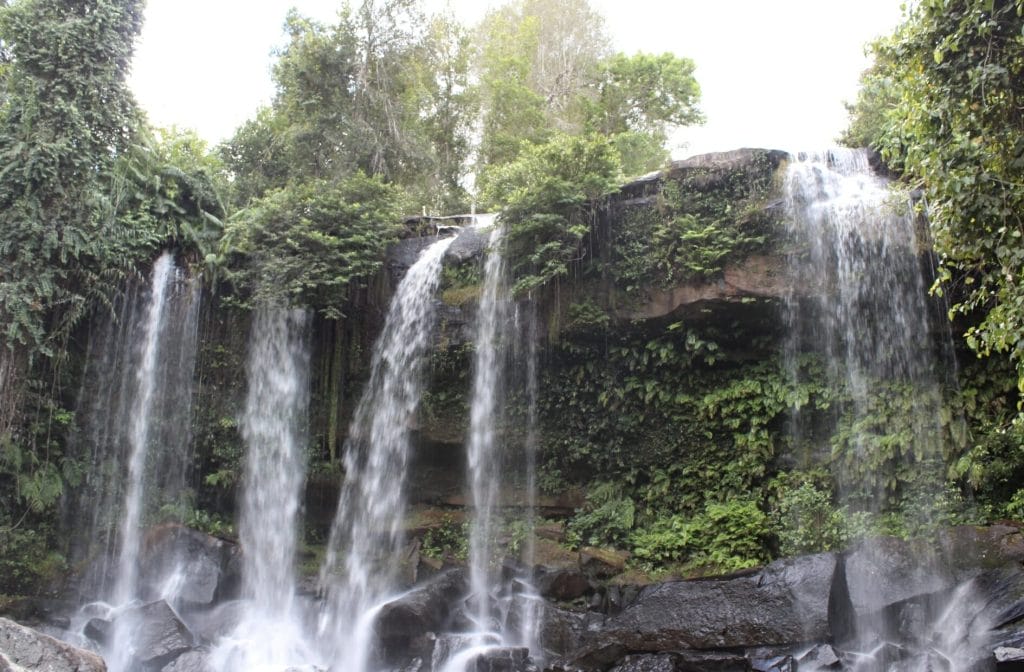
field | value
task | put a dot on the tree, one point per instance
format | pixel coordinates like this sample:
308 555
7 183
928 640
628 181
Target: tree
638 99
546 67
311 242
548 198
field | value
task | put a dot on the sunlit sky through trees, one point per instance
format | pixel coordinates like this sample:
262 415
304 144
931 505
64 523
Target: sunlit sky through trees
773 74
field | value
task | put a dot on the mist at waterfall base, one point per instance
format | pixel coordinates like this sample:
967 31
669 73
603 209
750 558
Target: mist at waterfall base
849 239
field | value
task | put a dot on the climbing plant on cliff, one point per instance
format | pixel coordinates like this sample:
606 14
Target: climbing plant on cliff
955 73
67 116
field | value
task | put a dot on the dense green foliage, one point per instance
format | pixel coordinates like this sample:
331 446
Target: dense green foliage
549 196
310 243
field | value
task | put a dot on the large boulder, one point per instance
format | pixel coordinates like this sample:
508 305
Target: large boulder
156 634
23 648
785 602
186 566
405 626
883 571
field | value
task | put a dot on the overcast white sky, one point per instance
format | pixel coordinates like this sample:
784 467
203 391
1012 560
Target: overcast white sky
772 73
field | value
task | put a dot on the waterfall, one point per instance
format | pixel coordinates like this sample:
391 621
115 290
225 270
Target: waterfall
481 450
859 304
502 617
867 315
366 538
136 397
146 383
271 635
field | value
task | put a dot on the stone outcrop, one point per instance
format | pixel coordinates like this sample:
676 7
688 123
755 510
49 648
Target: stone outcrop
25 649
405 627
205 567
785 602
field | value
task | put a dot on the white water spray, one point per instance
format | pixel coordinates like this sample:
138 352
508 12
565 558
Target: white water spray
271 635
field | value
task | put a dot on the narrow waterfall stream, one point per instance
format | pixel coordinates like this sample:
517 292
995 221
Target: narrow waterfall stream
146 383
366 538
272 632
136 411
502 625
865 314
482 443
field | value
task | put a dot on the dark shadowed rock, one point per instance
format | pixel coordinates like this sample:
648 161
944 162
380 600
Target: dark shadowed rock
785 602
561 631
198 563
23 648
684 661
562 584
190 661
503 659
602 563
663 662
98 630
403 625
470 243
157 633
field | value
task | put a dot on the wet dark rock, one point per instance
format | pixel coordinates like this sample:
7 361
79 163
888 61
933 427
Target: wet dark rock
403 254
157 633
190 661
783 603
22 648
470 243
403 625
98 630
884 571
602 563
684 661
647 663
820 657
37 612
770 661
503 659
561 631
205 563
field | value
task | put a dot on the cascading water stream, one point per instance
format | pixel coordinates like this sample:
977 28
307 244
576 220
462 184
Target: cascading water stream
481 450
492 627
859 304
143 384
359 571
271 634
139 434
